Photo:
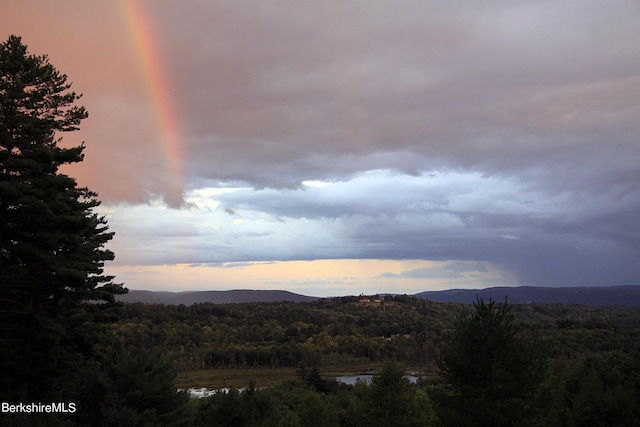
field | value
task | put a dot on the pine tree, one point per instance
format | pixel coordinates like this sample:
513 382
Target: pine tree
53 292
490 372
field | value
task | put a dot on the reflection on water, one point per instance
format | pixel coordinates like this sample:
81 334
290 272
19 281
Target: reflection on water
353 379
202 392
199 393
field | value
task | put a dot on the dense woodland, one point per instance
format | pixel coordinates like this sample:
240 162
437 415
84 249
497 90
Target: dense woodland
566 365
492 364
340 331
327 331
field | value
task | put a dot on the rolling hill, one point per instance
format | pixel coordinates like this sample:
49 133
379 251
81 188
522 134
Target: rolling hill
217 297
597 296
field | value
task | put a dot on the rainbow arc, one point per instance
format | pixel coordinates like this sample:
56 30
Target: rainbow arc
158 89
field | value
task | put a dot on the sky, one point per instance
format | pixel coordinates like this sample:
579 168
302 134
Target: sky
355 147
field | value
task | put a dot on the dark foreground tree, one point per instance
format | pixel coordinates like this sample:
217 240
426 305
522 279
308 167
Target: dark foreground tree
490 373
139 390
53 293
393 401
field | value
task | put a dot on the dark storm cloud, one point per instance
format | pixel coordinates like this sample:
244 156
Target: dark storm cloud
446 271
311 92
501 132
548 236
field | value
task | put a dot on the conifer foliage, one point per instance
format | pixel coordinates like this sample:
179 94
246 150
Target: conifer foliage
490 371
52 286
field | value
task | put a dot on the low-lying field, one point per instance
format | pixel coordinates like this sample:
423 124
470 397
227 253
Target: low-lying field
233 378
263 377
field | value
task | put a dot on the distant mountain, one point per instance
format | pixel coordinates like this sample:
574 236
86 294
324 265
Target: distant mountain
217 297
598 296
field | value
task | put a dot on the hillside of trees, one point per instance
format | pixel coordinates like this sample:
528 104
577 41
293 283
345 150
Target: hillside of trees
352 329
327 331
596 296
216 297
562 365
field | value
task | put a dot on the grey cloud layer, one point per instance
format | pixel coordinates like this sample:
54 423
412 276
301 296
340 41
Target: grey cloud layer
547 236
505 132
543 238
319 91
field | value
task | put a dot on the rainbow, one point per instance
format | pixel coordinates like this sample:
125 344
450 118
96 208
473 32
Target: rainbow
142 34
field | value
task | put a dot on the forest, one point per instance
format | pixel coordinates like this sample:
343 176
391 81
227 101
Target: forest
563 365
490 363
352 330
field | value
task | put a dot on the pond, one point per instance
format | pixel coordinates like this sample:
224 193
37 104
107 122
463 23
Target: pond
366 378
199 393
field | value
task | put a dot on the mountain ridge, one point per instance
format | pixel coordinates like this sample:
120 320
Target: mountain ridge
216 297
592 296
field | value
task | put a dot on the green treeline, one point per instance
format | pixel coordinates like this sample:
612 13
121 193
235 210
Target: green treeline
328 331
339 331
493 364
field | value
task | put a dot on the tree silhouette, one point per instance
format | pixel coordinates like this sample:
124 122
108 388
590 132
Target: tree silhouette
54 292
490 372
